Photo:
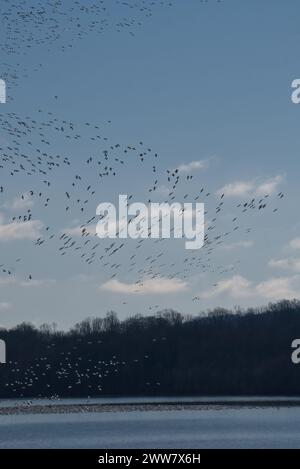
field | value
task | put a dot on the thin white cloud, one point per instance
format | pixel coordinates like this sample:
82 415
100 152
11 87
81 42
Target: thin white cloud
237 189
237 245
251 188
13 280
279 288
84 278
295 243
9 280
288 264
20 230
78 231
238 287
37 283
149 286
193 166
20 203
270 186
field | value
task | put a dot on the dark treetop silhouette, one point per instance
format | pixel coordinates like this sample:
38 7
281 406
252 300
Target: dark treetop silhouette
216 353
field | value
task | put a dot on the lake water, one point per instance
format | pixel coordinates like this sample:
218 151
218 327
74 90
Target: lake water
212 428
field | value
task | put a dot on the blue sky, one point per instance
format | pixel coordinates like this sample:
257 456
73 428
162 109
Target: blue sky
199 81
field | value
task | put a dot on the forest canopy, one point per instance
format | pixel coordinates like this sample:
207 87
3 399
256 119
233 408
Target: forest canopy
218 352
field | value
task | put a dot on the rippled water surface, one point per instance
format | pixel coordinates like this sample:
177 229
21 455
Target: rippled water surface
272 427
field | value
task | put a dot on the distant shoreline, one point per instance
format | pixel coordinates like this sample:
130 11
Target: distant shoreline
146 407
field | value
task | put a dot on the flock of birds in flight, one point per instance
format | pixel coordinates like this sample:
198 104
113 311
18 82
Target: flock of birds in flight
42 148
43 152
72 184
77 371
57 26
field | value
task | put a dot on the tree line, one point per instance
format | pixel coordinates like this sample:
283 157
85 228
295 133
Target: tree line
219 352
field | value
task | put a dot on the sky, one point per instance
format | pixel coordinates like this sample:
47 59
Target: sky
206 85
